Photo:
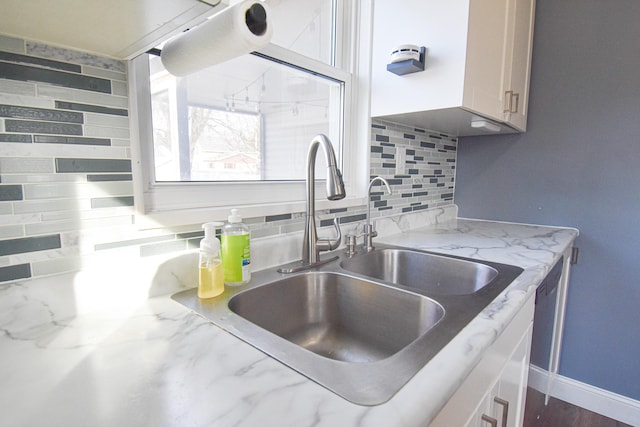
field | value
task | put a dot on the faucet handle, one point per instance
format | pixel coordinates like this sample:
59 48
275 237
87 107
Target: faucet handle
328 243
369 233
370 229
351 240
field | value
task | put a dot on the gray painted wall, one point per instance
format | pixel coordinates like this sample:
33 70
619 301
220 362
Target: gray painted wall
578 165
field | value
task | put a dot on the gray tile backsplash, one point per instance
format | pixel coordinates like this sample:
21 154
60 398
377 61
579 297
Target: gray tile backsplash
23 165
18 58
26 126
40 114
49 139
10 192
75 57
419 166
15 272
29 73
10 137
29 244
109 202
66 165
66 185
74 106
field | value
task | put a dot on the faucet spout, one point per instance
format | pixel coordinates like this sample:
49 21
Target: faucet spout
311 244
369 231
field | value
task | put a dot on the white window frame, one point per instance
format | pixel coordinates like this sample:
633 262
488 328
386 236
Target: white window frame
161 204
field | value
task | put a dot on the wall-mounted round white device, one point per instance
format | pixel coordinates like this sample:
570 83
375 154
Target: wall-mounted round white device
405 52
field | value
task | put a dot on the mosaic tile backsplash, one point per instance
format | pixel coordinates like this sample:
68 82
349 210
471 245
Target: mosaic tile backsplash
66 184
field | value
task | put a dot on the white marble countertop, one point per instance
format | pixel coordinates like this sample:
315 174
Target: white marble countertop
74 354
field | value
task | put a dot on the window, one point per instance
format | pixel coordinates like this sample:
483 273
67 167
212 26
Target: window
237 133
259 118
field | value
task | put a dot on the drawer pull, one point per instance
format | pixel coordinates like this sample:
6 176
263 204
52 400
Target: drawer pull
505 409
490 420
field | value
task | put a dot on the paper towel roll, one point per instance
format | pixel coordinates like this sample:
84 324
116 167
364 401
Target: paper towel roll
237 30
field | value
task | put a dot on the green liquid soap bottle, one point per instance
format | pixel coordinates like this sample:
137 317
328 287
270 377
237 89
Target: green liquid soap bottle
211 278
236 253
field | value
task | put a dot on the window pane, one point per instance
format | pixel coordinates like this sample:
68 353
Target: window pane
305 27
247 119
163 158
225 145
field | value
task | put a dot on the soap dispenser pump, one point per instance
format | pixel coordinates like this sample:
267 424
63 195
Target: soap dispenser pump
236 252
211 279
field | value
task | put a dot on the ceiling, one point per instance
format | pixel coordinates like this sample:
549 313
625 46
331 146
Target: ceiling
119 29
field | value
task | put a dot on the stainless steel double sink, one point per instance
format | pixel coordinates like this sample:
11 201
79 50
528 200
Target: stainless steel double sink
361 326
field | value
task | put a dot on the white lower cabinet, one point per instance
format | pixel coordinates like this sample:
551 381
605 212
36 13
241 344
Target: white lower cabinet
493 395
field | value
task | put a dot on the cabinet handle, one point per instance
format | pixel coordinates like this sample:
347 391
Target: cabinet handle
517 96
490 420
505 409
508 100
509 105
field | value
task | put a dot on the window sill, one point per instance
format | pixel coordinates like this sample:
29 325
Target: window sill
182 217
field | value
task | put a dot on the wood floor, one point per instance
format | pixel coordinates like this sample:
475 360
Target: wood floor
561 414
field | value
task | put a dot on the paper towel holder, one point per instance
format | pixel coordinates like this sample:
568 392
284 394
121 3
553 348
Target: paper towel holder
244 25
256 19
410 65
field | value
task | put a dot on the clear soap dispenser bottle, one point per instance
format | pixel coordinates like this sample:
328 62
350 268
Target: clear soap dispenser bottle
211 280
236 252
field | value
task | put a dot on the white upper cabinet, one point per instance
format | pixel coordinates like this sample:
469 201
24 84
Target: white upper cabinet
119 29
478 59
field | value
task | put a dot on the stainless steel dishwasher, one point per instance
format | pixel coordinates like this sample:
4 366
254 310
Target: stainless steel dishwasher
544 317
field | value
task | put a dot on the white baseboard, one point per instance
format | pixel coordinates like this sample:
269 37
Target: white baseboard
592 398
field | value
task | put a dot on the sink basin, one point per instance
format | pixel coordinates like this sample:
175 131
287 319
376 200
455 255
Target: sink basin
421 270
338 316
357 326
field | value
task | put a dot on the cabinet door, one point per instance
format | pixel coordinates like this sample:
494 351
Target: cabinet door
501 373
489 48
484 416
499 59
519 65
507 405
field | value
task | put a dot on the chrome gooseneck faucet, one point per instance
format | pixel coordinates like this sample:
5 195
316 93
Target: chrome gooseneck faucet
369 231
311 243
